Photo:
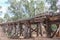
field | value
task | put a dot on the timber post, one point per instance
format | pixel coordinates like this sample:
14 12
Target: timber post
48 28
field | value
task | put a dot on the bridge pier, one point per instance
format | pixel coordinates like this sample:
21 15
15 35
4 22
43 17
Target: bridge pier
26 30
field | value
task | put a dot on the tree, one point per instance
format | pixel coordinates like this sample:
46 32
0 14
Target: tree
25 8
7 17
53 4
34 7
15 8
1 20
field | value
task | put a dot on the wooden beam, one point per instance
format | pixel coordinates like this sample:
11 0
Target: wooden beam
55 32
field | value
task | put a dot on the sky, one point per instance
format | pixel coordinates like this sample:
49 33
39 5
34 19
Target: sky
4 5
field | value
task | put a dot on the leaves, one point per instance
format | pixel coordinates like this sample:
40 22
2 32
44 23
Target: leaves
53 4
25 8
7 17
53 27
1 20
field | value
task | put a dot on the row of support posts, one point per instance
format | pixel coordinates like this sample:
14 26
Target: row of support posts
17 30
26 30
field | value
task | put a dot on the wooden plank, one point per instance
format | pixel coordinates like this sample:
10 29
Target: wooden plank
54 18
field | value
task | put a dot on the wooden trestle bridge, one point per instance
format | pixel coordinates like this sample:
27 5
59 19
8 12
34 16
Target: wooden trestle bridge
23 28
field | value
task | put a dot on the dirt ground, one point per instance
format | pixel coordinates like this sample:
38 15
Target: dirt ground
4 37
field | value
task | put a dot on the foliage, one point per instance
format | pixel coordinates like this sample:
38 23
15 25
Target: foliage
7 17
24 8
53 4
53 27
1 20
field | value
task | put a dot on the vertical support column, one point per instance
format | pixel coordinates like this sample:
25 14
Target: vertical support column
14 28
29 30
48 30
43 30
6 29
17 30
25 32
37 29
40 29
21 30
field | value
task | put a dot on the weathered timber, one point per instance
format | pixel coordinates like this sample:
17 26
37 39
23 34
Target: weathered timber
43 23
